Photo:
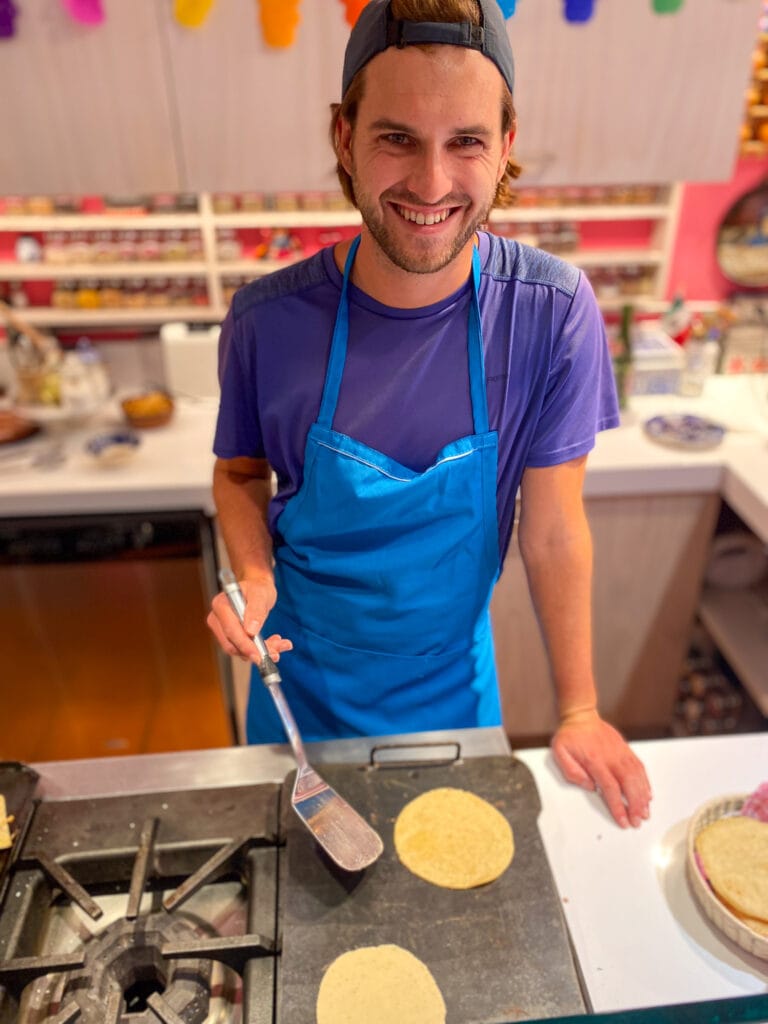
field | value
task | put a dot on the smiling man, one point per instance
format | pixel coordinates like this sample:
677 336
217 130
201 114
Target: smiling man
404 387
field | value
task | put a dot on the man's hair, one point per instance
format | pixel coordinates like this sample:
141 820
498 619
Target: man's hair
433 11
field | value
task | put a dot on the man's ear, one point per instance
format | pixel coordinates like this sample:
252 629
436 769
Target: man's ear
506 149
344 143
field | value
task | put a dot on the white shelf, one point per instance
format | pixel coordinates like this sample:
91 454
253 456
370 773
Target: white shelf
101 222
216 271
99 271
537 214
47 316
737 621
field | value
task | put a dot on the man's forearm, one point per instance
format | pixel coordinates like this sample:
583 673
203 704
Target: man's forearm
559 571
242 501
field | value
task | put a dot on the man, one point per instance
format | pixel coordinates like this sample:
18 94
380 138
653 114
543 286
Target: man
402 388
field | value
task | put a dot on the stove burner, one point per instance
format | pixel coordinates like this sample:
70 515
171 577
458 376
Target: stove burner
126 958
162 914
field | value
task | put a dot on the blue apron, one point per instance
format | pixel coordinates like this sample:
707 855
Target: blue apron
384 576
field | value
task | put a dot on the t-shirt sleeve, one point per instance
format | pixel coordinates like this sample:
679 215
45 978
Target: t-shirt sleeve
238 431
580 398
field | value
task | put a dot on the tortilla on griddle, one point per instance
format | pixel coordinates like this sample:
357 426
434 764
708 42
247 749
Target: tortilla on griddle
734 855
454 839
379 985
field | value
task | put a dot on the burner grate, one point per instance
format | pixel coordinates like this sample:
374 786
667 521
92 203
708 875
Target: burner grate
177 926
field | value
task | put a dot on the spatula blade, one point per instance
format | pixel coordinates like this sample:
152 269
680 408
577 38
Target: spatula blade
345 836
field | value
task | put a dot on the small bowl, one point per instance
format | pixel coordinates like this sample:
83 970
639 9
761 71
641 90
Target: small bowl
113 449
148 409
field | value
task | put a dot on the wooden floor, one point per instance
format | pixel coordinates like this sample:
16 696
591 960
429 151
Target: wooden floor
106 660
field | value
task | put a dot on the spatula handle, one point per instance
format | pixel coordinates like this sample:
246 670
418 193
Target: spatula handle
267 668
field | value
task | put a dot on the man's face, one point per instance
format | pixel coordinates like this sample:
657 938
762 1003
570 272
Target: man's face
427 152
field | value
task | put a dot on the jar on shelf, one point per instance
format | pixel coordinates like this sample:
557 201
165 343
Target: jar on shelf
135 293
186 202
127 246
179 292
39 206
228 245
148 247
224 202
80 249
111 294
55 247
88 294
157 292
194 243
252 202
104 248
198 293
64 295
174 246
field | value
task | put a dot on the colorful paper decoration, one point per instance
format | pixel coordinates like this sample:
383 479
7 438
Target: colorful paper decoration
667 6
191 13
279 21
8 12
352 10
87 12
579 10
507 7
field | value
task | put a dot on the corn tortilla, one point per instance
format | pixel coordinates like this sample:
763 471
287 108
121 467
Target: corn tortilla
454 839
379 985
734 854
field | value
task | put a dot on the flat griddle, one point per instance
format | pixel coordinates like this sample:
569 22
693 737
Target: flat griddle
499 953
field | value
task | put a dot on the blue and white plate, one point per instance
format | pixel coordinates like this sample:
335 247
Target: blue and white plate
682 430
113 449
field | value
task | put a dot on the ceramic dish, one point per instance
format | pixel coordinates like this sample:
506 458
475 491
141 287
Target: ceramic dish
15 428
113 449
716 911
148 409
682 430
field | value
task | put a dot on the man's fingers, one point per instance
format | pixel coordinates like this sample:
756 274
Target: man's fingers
571 768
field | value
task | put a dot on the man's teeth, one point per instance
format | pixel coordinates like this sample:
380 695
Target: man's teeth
423 218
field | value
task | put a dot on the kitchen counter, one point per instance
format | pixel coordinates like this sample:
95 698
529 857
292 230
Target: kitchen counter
640 938
172 469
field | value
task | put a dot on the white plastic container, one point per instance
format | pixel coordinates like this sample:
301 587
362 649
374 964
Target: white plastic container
657 361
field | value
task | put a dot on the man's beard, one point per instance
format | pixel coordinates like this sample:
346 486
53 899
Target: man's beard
408 257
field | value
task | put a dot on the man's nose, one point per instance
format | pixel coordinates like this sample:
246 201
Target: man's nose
429 178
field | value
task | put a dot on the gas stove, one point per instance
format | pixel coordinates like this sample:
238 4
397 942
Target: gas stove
144 908
182 888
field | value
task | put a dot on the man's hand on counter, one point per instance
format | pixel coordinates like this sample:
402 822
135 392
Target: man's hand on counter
593 755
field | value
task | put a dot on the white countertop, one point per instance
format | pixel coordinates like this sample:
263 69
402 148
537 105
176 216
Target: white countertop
640 937
172 469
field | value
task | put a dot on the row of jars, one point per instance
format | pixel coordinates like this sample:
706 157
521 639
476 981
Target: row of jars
125 246
131 293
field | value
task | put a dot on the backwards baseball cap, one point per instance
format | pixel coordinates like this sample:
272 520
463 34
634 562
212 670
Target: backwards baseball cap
376 30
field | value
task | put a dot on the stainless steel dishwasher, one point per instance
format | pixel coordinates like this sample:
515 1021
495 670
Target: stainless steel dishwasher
103 643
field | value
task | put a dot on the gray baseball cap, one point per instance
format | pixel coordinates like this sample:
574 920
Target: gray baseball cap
375 30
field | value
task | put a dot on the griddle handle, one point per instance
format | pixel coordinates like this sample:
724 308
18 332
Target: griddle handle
267 668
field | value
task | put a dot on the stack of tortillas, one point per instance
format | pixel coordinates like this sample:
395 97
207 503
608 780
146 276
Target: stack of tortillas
450 838
728 868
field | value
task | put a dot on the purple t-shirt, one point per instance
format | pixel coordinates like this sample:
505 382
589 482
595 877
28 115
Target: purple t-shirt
405 389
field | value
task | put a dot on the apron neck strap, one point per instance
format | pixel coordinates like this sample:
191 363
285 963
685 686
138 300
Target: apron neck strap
338 352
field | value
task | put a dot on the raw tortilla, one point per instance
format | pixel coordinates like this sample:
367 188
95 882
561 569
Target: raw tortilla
5 821
454 839
379 985
734 854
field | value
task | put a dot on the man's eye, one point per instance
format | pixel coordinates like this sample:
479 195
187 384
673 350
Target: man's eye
467 141
396 138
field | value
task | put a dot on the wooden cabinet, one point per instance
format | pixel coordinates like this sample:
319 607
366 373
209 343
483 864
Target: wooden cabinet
650 553
140 103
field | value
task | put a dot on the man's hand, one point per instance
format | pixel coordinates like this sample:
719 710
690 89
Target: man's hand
593 755
234 638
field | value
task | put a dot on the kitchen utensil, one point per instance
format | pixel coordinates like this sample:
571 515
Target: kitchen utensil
344 835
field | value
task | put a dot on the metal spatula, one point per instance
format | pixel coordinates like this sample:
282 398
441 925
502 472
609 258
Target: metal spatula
346 837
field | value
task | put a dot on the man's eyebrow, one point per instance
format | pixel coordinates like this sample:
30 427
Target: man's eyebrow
385 125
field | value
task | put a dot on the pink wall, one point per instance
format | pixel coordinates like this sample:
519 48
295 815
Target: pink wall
693 267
